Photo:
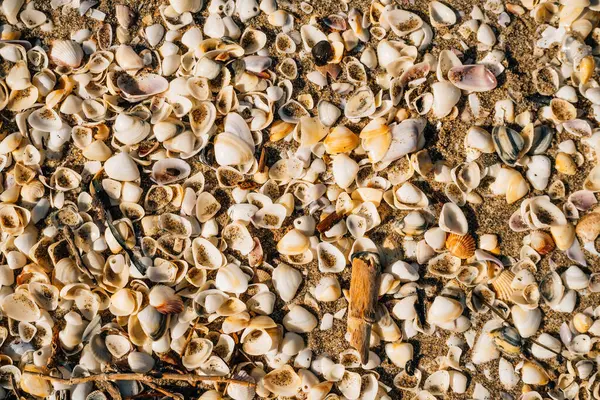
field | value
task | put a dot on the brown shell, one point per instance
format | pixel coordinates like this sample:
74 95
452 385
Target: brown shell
502 285
542 242
461 246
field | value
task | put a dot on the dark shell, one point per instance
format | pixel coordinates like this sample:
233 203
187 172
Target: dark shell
322 52
508 144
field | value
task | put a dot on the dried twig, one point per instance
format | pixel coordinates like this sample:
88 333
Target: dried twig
164 391
144 378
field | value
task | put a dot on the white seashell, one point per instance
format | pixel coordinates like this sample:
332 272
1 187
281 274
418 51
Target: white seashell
507 375
10 9
299 320
538 171
445 97
232 279
66 53
20 307
350 385
45 119
293 243
444 310
154 34
238 238
121 167
549 341
328 289
331 259
437 383
527 322
286 281
344 170
453 220
282 382
402 22
441 15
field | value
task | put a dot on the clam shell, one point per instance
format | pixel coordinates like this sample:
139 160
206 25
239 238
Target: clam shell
170 170
121 167
473 78
66 53
141 86
441 15
453 220
286 281
402 22
283 381
445 265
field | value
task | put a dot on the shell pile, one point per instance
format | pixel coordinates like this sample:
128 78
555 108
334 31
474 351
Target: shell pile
182 189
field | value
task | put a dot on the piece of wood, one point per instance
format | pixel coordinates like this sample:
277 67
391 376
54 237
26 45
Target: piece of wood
364 288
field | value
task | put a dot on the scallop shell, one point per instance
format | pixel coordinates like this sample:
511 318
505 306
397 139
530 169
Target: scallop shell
66 53
461 246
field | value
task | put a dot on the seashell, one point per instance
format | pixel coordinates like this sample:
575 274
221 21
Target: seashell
141 86
170 170
541 242
128 59
293 243
441 15
462 247
575 278
282 381
154 34
21 307
121 167
402 22
437 383
125 16
473 78
66 53
286 281
587 227
544 214
562 110
538 171
45 119
238 238
453 220
445 97
330 258
130 130
445 265
299 320
231 278
328 113
230 149
206 207
344 170
508 144
340 140
532 373
328 289
549 341
360 104
444 310
253 40
527 322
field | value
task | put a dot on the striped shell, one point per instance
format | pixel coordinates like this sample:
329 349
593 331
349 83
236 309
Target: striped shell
502 285
461 246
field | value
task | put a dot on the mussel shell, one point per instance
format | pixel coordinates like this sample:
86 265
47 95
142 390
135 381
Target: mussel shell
508 144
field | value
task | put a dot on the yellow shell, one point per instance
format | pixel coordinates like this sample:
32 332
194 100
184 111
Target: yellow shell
461 246
279 130
565 164
340 140
502 285
586 69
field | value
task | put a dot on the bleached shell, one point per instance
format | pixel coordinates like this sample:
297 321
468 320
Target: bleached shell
441 15
128 59
238 238
232 150
20 307
45 119
170 170
253 40
328 289
65 179
141 86
293 243
506 373
140 362
197 352
299 320
46 296
286 281
437 383
66 53
344 170
549 341
330 258
18 77
232 279
130 130
410 197
444 310
283 381
206 255
545 214
445 97
575 278
360 104
399 353
10 9
453 220
121 167
527 322
402 22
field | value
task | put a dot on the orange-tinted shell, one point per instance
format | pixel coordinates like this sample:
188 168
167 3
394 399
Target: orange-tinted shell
461 246
542 242
502 285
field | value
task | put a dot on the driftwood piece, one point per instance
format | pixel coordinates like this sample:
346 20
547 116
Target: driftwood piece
364 287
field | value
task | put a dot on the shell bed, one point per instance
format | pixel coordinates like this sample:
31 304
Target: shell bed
187 188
